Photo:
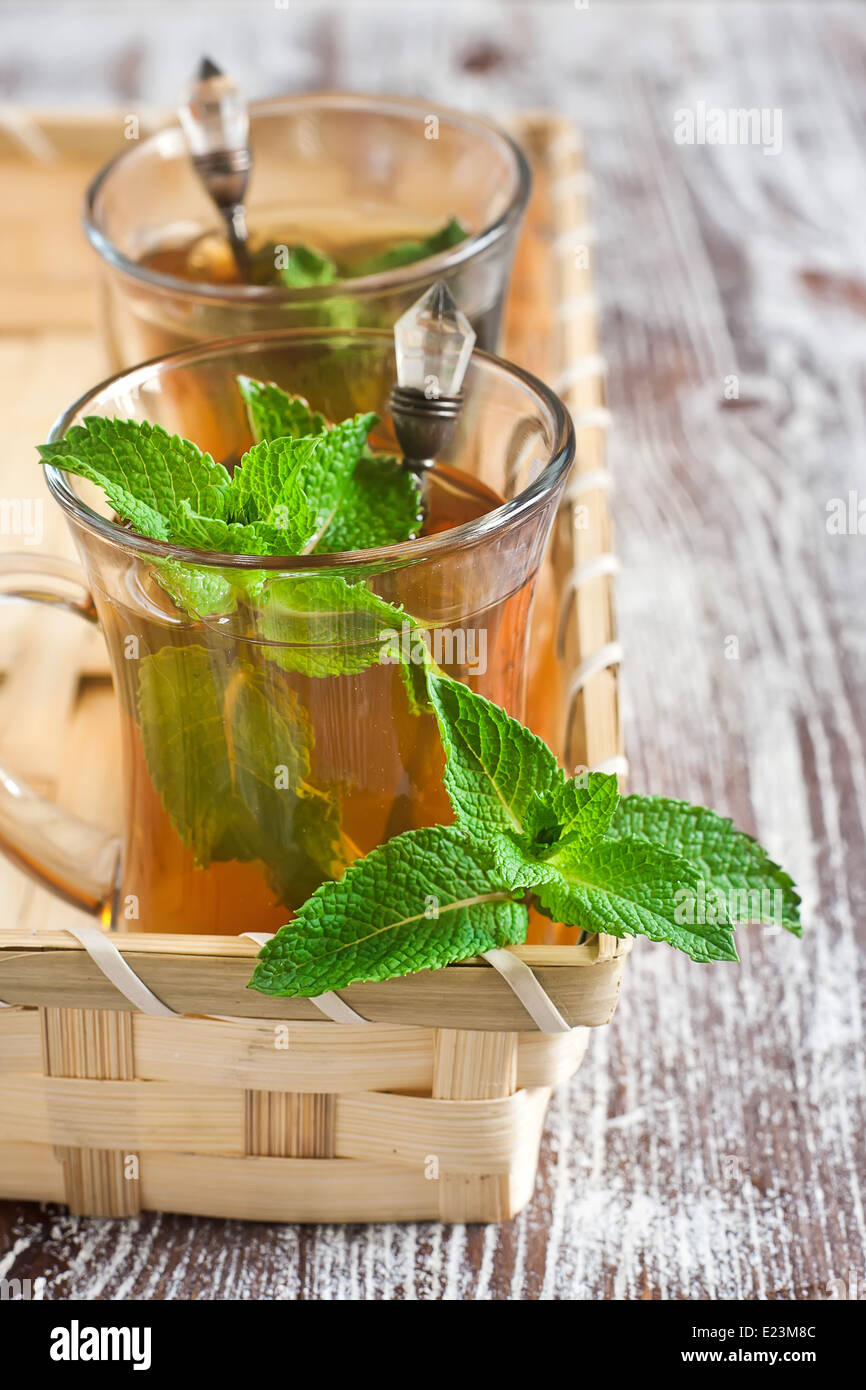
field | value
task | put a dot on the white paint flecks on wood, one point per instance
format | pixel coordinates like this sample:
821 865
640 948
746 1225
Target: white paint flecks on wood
712 1144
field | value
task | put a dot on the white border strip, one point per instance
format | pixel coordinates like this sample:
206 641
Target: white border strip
596 480
532 995
593 364
329 1003
617 764
106 956
596 417
608 655
596 568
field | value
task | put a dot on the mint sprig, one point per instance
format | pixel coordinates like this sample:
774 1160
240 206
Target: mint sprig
304 486
525 833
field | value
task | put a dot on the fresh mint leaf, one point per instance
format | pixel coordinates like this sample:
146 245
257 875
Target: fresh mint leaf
306 266
630 887
381 505
583 807
407 252
157 469
297 485
140 515
268 486
421 901
188 528
495 767
507 788
381 502
755 888
325 477
274 414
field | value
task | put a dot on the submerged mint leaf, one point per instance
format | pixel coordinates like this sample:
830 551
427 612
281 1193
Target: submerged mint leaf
199 590
407 252
228 750
156 468
421 901
306 266
320 625
755 888
213 737
630 887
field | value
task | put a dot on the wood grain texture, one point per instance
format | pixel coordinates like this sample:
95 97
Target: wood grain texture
712 1143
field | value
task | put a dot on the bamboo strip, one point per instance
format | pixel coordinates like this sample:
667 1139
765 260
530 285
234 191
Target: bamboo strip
594 734
246 1188
289 1125
464 1138
240 948
466 995
467 1063
291 1056
84 1043
288 1189
88 1043
546 1060
136 1116
31 1172
300 1057
20 1041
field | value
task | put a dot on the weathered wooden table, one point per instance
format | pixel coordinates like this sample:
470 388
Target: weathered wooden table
713 1144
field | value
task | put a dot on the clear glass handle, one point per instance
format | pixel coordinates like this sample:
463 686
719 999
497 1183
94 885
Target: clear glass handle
77 861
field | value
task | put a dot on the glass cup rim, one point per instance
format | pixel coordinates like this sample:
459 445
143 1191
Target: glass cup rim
382 281
562 452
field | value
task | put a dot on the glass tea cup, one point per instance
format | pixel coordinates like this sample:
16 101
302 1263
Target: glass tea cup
329 169
270 725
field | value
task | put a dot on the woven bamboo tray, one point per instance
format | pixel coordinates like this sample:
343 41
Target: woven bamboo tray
263 1109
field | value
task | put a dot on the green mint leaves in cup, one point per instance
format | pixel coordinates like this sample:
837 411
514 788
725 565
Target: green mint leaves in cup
241 787
300 266
299 489
525 835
